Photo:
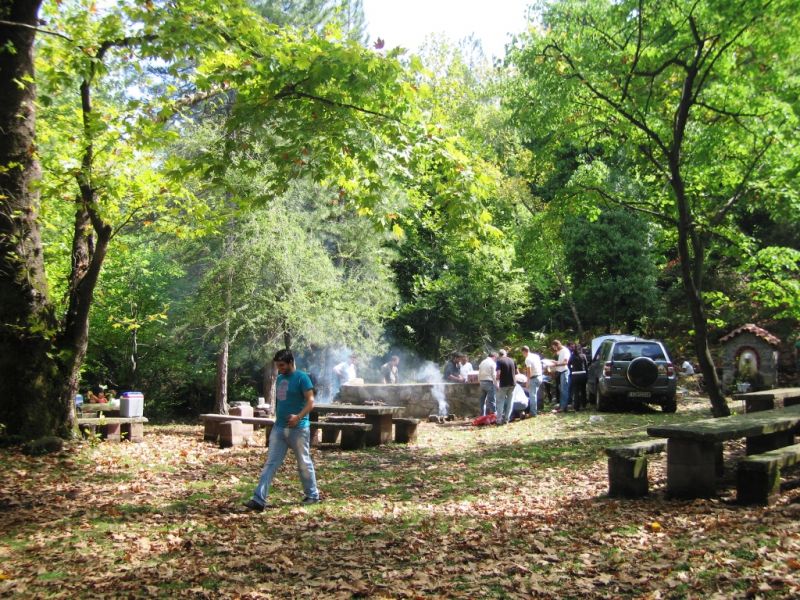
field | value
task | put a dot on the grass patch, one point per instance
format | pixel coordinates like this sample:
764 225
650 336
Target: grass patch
744 554
52 576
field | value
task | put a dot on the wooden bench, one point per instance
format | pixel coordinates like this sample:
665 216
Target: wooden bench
758 478
354 435
216 429
627 467
114 429
405 430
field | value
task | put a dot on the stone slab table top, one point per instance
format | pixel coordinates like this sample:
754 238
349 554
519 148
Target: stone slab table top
732 427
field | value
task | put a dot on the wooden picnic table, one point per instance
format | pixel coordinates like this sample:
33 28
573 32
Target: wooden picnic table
769 399
694 449
380 417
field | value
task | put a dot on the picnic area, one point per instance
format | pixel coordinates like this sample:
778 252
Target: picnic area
292 306
514 512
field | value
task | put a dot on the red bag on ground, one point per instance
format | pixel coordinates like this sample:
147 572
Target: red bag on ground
489 419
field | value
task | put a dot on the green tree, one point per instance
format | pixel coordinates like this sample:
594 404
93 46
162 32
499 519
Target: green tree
336 104
693 103
460 287
316 15
613 270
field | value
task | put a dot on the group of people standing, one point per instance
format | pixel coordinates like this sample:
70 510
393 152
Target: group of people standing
498 377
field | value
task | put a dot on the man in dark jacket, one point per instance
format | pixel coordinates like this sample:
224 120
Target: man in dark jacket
506 369
577 376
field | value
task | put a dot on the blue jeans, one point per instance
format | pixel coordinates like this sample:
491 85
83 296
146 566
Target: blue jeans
487 397
504 404
563 379
280 440
533 388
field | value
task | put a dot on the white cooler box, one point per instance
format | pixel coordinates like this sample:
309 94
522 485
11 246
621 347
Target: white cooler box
131 404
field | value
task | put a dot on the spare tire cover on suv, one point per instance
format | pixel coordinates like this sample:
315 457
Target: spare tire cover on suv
642 372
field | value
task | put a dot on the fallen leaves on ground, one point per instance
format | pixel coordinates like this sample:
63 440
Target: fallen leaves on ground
513 512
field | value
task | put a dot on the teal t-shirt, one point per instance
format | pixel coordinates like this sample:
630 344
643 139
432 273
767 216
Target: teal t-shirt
290 397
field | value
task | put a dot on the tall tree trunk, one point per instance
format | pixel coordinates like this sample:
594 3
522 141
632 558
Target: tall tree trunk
565 289
90 239
133 380
29 371
270 375
690 250
221 400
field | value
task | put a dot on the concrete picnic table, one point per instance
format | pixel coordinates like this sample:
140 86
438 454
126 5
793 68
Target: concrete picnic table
106 408
694 449
380 417
769 399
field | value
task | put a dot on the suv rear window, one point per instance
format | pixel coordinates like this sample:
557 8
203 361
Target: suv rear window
631 350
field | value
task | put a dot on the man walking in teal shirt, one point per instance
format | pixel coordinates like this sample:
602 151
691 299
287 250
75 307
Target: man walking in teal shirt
294 401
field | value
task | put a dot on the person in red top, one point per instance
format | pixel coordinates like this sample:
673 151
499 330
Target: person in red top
97 395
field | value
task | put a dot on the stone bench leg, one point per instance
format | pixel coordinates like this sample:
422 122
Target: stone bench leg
758 404
405 432
381 429
769 441
354 439
112 432
230 434
247 430
627 476
329 436
267 432
210 431
757 486
692 468
133 432
315 436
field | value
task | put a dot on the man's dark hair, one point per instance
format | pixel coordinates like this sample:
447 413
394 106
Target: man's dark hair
283 356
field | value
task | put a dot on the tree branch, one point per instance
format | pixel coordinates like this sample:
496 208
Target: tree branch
717 219
636 54
632 205
727 113
292 92
125 42
641 125
34 28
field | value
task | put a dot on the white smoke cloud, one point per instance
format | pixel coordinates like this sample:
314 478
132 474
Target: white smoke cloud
429 373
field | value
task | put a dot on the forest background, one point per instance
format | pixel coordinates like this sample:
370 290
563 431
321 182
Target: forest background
220 179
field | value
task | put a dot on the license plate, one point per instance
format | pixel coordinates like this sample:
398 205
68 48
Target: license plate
638 394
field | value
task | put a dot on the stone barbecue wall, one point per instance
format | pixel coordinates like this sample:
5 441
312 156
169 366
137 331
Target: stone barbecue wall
463 399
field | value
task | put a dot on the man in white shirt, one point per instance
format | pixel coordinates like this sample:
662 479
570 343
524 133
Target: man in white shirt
562 372
466 367
534 372
345 371
487 375
687 368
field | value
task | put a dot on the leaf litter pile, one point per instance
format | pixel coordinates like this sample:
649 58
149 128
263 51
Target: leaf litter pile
500 512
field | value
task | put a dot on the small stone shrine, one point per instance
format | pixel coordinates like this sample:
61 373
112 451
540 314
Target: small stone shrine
749 356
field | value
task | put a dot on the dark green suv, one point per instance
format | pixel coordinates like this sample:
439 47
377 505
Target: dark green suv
627 369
